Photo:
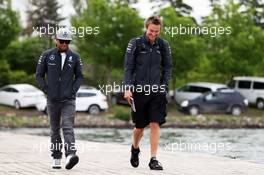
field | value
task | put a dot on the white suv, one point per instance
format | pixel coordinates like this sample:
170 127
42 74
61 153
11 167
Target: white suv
192 90
252 88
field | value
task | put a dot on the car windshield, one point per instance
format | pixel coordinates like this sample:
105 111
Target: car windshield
85 94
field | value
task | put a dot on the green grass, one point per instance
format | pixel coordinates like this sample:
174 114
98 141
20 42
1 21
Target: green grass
121 113
9 117
15 121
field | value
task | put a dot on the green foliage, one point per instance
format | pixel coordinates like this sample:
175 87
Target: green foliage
257 8
186 49
121 113
23 55
17 76
21 77
181 8
9 27
7 76
241 52
42 14
117 23
195 57
4 72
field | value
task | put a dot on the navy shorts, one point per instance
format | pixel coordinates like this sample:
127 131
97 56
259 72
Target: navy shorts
149 108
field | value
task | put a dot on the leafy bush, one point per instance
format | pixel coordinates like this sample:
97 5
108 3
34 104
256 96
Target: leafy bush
122 113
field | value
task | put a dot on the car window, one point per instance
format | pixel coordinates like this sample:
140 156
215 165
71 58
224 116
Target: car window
8 89
258 85
184 89
85 94
199 89
13 90
5 89
194 89
244 84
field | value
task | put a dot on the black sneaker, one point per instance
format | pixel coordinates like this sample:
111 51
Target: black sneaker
154 164
134 157
71 161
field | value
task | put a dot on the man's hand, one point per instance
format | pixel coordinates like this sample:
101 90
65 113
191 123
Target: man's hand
127 96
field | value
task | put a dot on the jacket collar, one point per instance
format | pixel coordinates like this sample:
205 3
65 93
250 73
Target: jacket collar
68 51
146 40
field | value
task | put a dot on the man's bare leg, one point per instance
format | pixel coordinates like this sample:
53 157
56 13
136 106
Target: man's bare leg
154 138
137 135
154 164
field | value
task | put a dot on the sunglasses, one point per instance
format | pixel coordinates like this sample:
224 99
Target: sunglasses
64 41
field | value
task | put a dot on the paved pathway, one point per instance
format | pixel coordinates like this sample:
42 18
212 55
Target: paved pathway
27 154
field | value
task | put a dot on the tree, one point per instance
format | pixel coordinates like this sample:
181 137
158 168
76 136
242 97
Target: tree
237 54
43 14
79 6
4 72
257 8
181 8
117 23
23 55
186 49
9 25
9 30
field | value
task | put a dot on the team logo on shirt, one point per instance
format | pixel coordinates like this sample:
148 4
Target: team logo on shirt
70 59
40 59
52 57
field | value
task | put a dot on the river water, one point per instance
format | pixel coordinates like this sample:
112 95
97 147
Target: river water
245 144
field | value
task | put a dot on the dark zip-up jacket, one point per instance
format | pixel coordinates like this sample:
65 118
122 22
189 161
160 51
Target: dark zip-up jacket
59 84
146 63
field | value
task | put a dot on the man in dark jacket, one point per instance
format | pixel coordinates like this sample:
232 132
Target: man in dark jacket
148 64
59 75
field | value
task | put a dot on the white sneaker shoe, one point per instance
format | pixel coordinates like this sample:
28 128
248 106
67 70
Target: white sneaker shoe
56 164
71 161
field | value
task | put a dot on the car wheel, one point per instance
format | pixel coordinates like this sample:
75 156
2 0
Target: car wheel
94 110
17 104
114 100
236 110
193 110
260 104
